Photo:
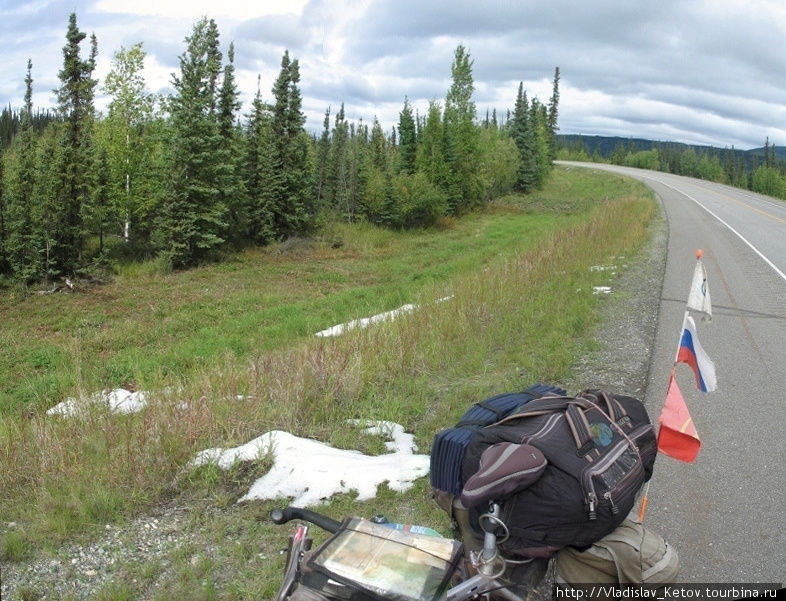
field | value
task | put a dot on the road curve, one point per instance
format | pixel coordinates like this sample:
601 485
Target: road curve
726 512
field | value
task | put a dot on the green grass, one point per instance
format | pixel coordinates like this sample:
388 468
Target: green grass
521 307
148 330
14 546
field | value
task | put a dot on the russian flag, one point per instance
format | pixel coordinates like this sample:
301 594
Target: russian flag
690 352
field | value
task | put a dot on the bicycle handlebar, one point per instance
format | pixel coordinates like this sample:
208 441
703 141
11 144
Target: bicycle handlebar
282 516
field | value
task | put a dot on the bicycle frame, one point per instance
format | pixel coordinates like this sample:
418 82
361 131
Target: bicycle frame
299 544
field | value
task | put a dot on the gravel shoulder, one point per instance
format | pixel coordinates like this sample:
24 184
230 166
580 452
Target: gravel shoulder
619 361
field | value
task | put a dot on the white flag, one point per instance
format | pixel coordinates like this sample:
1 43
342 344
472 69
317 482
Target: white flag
699 296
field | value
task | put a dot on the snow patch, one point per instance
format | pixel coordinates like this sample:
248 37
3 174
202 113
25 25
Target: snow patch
118 400
603 268
364 322
310 471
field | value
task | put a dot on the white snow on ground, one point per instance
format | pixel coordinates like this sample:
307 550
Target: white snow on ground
611 268
367 321
310 471
118 400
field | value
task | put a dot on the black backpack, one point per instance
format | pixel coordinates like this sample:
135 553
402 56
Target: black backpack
600 448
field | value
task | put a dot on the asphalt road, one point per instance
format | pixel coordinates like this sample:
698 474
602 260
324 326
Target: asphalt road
726 512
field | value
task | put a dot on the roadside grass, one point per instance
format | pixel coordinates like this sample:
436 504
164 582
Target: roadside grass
148 328
229 352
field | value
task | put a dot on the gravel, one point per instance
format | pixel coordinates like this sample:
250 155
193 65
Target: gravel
75 571
619 363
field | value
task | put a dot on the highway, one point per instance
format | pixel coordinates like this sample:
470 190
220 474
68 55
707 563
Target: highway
726 512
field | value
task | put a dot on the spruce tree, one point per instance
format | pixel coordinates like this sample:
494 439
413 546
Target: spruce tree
323 164
407 148
539 126
259 173
229 177
193 219
98 214
523 135
75 105
23 243
339 161
50 159
292 209
461 136
378 151
553 114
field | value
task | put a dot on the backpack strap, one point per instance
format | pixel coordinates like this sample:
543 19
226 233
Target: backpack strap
546 405
579 427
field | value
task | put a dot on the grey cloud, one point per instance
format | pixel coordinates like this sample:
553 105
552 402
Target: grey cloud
697 71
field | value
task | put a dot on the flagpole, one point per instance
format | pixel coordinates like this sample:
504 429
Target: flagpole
645 497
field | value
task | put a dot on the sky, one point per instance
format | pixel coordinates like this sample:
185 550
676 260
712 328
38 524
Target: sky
695 71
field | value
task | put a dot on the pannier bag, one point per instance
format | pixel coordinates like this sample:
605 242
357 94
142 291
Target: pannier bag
599 449
366 561
447 456
447 451
630 554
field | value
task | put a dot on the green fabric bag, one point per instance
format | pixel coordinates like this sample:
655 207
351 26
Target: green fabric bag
630 554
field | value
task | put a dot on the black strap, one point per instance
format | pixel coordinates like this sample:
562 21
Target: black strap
579 427
545 406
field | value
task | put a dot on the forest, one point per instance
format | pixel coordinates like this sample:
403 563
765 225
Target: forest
185 179
761 170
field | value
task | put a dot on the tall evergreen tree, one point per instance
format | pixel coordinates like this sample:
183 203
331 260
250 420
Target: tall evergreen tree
358 153
292 209
553 115
229 177
75 104
323 163
378 150
461 135
540 130
50 158
23 242
521 131
259 173
193 218
407 145
339 160
99 212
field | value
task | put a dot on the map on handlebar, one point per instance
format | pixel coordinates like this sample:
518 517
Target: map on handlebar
393 564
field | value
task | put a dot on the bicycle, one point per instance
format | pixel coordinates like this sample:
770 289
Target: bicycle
306 579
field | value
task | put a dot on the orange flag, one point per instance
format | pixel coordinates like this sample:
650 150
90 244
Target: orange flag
677 436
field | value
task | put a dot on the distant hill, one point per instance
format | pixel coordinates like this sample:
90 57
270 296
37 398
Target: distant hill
606 145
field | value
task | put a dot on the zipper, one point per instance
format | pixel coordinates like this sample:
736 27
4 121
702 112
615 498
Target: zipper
592 500
601 466
614 509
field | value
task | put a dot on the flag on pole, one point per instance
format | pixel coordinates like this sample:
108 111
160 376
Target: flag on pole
677 436
699 296
690 352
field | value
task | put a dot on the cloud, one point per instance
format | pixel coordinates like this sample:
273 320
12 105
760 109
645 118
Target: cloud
708 70
235 9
